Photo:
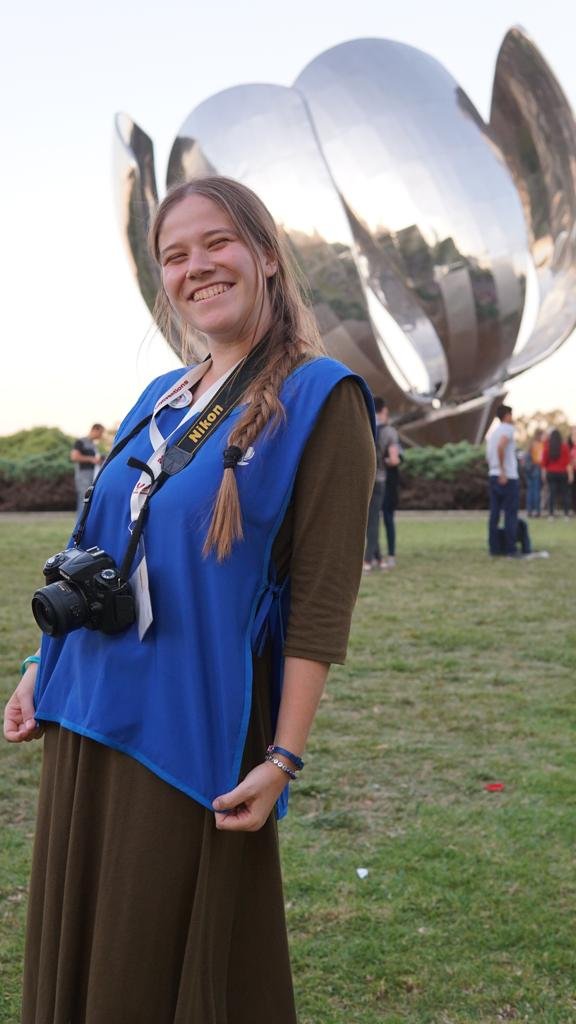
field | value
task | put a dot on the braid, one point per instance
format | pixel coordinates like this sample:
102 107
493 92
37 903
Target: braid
264 409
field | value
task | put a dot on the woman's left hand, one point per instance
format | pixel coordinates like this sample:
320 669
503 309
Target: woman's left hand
249 804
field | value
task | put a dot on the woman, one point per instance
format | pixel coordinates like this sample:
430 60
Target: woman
156 892
572 469
533 469
556 469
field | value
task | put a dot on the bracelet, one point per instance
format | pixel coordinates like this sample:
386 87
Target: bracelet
32 659
280 764
274 749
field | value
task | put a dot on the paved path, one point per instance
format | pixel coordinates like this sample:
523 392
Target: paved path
45 517
401 514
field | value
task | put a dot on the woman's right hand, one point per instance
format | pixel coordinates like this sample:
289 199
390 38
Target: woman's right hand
19 723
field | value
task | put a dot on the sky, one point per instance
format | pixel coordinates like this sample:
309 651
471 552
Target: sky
76 338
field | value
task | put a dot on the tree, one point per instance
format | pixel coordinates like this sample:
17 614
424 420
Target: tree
526 425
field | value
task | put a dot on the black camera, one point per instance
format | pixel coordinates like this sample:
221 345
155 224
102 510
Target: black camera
84 588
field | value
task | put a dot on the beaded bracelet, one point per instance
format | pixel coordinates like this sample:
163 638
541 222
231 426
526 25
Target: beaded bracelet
297 761
32 659
280 764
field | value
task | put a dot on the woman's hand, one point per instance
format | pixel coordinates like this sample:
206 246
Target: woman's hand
19 723
248 806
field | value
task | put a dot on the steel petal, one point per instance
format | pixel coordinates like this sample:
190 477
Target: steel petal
409 153
137 200
533 124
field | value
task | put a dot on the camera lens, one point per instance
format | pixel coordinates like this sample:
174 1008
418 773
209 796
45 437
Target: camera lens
59 608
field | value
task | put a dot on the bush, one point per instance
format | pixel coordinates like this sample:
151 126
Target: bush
38 494
37 441
48 465
35 471
36 474
452 477
445 463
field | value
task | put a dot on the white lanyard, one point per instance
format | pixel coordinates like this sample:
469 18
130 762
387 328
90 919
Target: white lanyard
157 440
139 578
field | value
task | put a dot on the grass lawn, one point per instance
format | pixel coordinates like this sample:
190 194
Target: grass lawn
461 672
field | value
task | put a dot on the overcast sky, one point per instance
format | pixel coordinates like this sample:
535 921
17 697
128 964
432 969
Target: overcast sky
76 340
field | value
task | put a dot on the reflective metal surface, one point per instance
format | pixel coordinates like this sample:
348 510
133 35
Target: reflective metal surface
441 253
262 135
434 209
534 126
137 200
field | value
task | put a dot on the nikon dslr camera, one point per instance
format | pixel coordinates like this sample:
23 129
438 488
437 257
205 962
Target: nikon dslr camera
84 588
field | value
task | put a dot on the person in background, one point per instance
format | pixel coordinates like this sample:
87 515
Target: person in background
503 482
86 458
372 554
556 467
390 444
572 469
533 469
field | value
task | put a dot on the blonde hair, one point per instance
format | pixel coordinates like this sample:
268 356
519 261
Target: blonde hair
293 335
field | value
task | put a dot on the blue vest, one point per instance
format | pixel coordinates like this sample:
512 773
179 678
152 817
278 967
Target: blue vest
179 701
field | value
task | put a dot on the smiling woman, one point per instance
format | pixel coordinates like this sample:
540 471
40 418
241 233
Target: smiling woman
156 893
211 278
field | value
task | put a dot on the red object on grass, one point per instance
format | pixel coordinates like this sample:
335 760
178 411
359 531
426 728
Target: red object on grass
494 787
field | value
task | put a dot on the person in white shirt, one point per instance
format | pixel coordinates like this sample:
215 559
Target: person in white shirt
503 480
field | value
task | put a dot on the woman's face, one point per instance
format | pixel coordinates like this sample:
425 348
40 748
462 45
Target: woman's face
210 277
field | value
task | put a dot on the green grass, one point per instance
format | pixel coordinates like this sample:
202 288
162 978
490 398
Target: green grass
461 671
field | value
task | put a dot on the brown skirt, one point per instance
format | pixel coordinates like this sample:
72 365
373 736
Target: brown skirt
140 911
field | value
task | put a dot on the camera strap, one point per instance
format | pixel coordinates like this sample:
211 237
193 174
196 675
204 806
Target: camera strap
177 396
175 458
180 454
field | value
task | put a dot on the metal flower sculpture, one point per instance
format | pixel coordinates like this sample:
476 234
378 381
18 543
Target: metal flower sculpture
441 251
